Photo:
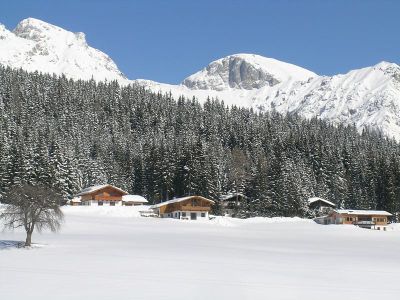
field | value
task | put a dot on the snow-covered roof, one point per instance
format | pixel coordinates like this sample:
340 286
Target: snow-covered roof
230 196
315 199
176 200
94 188
363 212
134 198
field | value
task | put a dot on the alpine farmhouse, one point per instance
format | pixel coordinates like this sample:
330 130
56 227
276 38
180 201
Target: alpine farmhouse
106 195
371 219
185 208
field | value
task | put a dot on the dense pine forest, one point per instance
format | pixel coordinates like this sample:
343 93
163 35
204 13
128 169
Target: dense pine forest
72 134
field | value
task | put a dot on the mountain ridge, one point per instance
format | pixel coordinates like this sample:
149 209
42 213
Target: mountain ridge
366 97
35 45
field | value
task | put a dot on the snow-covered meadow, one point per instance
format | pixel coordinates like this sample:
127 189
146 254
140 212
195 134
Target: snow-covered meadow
112 253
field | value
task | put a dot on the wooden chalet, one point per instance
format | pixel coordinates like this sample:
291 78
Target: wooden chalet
231 203
320 206
186 208
372 219
107 195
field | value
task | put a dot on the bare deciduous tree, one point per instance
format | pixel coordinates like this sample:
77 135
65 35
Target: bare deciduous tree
32 207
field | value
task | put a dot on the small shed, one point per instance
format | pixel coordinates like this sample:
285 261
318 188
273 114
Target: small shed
76 201
231 203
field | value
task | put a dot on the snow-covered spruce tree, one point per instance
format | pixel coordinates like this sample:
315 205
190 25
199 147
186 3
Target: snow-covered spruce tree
72 134
238 173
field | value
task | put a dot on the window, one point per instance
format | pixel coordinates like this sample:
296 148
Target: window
112 203
195 202
203 215
183 214
100 203
231 205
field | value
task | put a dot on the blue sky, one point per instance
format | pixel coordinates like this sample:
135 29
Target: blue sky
168 40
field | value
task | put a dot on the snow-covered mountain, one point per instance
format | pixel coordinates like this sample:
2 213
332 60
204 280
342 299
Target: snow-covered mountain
245 71
36 45
239 79
365 97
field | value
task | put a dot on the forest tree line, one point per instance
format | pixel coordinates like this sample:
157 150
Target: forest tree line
72 134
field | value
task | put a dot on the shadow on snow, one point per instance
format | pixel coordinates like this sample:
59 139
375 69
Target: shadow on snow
4 244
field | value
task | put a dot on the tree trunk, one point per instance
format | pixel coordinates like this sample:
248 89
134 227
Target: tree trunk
28 240
237 199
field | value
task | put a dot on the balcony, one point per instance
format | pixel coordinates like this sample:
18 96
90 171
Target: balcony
108 198
194 208
364 223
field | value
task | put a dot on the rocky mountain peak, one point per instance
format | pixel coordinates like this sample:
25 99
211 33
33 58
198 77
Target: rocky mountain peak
35 30
245 71
35 45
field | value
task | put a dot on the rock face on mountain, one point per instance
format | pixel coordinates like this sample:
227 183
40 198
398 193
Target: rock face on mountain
245 71
368 97
35 45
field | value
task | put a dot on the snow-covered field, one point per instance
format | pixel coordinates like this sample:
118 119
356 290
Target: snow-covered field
112 253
